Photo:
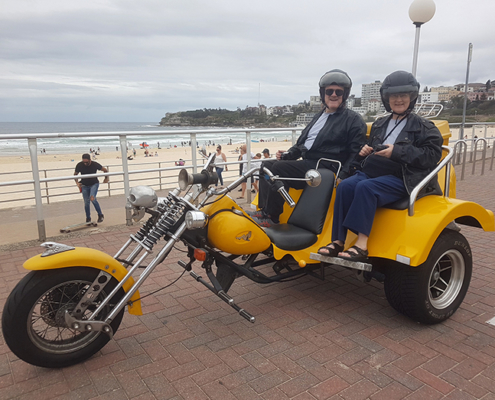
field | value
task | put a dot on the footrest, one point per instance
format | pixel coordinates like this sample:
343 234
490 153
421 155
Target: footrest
339 261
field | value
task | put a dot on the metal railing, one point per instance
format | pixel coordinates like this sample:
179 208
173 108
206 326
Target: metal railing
37 181
476 145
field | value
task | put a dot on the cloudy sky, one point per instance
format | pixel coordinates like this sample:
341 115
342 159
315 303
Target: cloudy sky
129 60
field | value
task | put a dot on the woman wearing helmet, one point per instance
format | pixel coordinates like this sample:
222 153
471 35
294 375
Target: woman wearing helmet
335 132
403 148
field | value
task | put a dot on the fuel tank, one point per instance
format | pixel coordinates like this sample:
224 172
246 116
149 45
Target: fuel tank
232 231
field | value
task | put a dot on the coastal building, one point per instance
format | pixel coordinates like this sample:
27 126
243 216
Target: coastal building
304 118
360 110
471 87
369 92
476 96
445 93
374 106
428 97
315 103
351 101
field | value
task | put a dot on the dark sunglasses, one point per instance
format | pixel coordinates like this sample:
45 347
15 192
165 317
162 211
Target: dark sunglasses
338 92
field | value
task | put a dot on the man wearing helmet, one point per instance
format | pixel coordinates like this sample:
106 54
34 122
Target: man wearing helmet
402 150
336 133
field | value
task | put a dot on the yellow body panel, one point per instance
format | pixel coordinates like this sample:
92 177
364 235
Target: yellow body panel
233 233
395 233
86 257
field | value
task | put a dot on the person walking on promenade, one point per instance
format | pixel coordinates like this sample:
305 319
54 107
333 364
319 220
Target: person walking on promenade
335 132
89 186
243 157
221 157
403 148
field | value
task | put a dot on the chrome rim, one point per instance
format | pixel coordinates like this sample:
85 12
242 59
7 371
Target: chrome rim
446 279
46 321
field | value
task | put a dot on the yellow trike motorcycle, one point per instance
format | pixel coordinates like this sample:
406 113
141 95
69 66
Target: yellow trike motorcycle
72 301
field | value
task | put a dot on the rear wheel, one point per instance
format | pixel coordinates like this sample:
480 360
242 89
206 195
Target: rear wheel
431 292
33 320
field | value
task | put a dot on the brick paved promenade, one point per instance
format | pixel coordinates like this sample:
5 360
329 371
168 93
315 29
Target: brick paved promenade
332 339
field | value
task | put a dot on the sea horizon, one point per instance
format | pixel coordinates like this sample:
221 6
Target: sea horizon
64 145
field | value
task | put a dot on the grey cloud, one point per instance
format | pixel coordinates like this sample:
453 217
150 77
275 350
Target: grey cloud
127 60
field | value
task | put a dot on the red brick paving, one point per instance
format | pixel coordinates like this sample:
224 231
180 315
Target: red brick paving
332 339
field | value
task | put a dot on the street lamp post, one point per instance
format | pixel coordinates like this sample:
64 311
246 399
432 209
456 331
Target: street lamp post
420 12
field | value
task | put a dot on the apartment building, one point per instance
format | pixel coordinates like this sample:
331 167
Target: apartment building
428 97
370 91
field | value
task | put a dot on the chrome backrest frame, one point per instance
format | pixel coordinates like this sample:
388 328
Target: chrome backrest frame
446 162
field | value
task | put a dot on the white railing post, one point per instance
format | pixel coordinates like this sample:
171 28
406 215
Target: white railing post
194 149
125 169
248 166
33 152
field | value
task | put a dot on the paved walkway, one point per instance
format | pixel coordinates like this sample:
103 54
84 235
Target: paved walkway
332 339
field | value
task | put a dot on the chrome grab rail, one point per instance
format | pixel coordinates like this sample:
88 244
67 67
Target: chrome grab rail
427 179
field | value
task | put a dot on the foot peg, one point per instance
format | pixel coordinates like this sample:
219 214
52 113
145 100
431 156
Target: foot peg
340 261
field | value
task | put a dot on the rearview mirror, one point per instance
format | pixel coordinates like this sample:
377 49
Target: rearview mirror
313 177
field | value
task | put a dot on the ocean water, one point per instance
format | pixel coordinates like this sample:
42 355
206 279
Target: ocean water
61 145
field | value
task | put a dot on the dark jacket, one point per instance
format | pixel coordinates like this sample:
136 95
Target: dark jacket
418 148
340 139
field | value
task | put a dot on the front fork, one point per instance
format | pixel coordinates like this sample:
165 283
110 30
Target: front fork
91 324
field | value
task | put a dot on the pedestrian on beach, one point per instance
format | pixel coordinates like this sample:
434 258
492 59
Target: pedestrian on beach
219 169
335 133
89 186
266 153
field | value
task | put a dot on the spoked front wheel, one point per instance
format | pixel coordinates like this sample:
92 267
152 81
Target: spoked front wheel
33 320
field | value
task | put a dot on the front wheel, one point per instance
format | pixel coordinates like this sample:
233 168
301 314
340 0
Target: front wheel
33 320
431 292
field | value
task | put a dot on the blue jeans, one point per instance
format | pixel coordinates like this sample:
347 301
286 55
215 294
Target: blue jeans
88 192
357 199
219 173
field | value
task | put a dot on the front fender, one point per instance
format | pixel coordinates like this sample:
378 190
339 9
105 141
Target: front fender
397 236
86 257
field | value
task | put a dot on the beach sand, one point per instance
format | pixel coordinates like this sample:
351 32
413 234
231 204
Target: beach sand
18 168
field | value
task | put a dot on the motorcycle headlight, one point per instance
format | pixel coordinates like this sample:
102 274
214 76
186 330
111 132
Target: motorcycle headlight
142 196
196 219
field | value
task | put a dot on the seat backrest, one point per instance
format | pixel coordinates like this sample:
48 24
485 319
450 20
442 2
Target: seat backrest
433 188
311 209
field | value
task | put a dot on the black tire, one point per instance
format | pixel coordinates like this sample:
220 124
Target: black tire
431 292
33 324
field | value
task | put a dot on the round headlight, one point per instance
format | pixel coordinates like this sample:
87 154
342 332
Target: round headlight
142 196
196 219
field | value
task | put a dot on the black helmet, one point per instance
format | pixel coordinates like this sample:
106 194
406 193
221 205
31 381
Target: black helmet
339 78
399 82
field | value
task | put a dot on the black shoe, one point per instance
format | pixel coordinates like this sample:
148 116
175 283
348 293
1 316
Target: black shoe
100 218
88 219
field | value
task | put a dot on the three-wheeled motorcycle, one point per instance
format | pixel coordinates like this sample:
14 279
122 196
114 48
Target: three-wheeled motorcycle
72 301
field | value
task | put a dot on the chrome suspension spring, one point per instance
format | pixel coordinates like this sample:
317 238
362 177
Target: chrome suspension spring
146 228
171 213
